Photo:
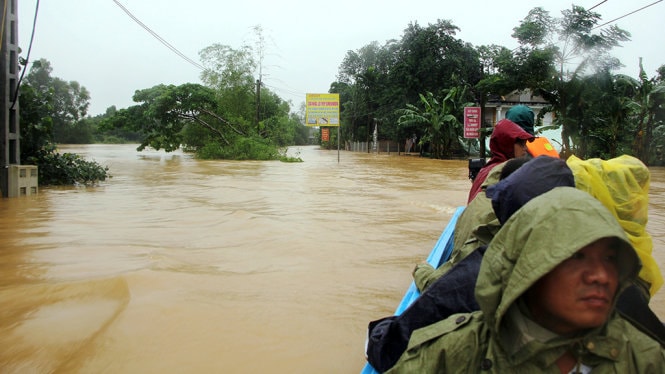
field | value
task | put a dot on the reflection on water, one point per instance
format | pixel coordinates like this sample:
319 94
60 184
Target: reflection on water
177 264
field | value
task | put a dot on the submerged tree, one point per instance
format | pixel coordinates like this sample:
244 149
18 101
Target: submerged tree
215 120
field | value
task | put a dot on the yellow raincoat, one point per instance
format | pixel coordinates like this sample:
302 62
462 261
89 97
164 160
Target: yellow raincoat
622 185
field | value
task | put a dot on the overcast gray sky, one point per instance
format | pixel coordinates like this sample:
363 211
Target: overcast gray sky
97 44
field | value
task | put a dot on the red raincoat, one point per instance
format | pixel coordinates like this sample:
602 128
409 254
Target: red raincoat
502 148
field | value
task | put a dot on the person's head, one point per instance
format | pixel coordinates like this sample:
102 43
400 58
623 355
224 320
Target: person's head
523 116
511 165
534 178
564 255
507 140
520 149
578 294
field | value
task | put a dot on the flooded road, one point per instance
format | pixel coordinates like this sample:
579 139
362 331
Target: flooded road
181 265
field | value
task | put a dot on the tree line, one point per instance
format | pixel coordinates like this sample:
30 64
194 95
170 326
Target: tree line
223 118
417 84
420 83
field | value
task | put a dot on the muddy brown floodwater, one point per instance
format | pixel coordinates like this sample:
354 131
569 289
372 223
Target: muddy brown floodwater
180 265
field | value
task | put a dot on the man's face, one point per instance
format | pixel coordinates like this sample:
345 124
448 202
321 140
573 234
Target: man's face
520 148
578 294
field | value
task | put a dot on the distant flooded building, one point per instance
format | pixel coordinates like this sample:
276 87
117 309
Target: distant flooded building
497 106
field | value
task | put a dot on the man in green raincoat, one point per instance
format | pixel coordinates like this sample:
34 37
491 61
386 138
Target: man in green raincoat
547 289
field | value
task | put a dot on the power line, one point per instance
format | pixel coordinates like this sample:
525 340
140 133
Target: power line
627 14
597 5
176 51
159 38
27 57
286 90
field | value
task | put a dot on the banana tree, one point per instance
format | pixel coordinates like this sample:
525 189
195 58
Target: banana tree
650 102
437 120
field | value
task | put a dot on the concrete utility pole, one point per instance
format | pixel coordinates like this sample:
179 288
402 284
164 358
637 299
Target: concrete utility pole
258 102
10 150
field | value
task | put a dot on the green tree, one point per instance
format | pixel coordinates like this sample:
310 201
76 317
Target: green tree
364 90
602 109
608 115
35 121
113 134
438 121
571 40
165 110
199 119
649 115
230 74
68 103
431 59
47 102
376 81
618 104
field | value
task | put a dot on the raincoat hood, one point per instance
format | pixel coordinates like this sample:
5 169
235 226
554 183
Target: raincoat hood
502 148
539 236
534 178
622 185
502 140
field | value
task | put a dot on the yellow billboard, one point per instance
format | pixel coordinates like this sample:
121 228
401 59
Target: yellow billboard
322 110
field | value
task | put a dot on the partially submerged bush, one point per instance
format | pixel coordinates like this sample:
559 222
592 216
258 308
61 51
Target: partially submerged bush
68 168
241 149
286 158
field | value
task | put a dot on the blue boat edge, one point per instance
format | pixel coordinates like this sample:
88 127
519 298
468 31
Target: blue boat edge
439 254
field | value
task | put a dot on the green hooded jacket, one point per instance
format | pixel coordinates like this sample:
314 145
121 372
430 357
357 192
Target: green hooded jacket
543 233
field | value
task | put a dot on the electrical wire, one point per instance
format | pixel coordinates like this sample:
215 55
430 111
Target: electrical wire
159 38
627 14
285 90
175 50
597 5
27 56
